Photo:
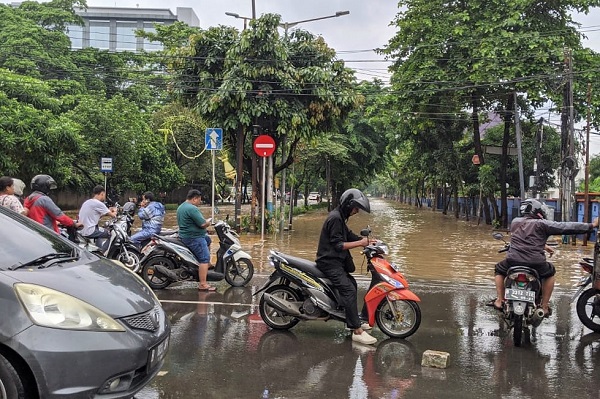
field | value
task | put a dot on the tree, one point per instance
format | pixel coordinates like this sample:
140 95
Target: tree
294 87
483 52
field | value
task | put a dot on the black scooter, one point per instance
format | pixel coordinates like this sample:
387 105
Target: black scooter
167 260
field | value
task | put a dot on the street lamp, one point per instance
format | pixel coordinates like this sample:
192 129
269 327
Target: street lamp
234 15
287 25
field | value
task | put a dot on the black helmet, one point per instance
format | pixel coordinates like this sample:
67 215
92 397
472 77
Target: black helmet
43 183
129 208
353 198
533 208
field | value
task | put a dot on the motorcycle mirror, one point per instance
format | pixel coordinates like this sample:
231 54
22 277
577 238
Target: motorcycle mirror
365 232
498 236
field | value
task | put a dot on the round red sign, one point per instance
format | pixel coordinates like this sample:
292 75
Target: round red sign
264 145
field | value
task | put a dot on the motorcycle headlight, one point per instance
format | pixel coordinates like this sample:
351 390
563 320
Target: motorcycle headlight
394 282
50 308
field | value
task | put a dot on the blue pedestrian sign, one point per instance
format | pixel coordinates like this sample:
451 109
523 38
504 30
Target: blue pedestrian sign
213 139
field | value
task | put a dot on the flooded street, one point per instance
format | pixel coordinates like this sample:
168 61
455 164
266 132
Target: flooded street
220 347
427 244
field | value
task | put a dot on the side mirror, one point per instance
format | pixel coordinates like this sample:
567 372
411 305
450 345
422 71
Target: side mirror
365 232
498 236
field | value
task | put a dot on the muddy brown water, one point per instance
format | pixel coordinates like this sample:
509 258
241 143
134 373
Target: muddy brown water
427 245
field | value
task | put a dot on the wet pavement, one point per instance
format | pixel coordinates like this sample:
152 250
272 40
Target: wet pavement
220 348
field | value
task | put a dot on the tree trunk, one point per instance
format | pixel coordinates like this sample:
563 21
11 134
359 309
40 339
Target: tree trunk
477 145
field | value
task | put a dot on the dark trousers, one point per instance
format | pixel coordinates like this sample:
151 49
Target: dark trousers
347 290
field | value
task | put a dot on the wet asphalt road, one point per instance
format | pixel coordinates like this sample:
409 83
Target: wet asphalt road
220 348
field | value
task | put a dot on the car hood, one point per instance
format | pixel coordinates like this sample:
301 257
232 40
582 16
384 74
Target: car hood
101 283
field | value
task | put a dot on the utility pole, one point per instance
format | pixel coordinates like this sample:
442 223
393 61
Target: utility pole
537 165
586 201
519 151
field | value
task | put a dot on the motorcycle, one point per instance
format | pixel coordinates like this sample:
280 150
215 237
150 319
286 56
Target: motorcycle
523 293
298 291
167 260
588 302
119 246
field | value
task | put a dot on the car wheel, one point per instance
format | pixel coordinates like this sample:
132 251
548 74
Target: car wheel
11 384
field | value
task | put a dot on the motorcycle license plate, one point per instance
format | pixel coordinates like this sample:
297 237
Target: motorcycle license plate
147 249
520 295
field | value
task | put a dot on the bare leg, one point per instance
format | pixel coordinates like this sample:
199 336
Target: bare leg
499 281
547 288
202 273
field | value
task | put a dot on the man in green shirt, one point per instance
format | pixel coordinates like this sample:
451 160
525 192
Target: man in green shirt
192 232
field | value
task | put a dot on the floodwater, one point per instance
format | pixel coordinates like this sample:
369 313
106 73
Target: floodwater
427 245
220 348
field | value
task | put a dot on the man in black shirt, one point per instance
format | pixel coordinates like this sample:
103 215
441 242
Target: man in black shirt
528 236
335 261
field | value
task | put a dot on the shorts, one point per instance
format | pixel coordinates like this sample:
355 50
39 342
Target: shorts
199 248
544 270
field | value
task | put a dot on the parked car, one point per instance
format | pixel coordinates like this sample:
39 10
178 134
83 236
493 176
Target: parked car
314 197
72 324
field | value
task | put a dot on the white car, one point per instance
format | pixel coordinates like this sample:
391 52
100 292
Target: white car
314 197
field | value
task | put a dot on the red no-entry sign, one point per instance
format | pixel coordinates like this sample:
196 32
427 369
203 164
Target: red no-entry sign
264 145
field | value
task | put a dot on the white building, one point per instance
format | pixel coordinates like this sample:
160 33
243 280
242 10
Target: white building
113 28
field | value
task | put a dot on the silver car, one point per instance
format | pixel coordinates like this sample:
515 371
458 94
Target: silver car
72 324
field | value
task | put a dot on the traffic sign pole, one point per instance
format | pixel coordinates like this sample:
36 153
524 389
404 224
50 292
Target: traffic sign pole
264 147
213 141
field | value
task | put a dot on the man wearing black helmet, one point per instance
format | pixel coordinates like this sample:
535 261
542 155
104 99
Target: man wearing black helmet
528 236
335 261
41 207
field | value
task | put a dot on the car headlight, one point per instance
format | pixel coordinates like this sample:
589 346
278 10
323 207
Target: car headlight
50 308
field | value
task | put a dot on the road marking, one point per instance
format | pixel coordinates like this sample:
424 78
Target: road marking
208 303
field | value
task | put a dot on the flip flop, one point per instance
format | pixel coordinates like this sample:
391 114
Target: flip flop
209 288
492 304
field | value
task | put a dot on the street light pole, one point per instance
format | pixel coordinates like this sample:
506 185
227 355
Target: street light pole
287 25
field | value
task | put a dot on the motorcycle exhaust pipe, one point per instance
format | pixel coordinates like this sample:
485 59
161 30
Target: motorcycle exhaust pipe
282 305
537 317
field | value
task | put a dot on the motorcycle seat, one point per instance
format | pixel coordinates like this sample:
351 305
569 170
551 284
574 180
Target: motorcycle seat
305 265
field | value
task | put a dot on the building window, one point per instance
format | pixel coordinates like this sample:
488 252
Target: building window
148 45
126 39
100 34
76 35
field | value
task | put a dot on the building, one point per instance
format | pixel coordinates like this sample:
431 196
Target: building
113 28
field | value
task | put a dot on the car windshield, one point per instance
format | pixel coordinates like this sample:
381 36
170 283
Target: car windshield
22 240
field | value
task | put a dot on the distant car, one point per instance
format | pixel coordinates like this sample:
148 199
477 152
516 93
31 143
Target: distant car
72 324
314 197
300 198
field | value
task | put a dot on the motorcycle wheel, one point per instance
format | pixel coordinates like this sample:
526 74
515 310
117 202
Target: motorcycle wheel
240 273
131 259
154 279
517 330
586 306
406 322
273 317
